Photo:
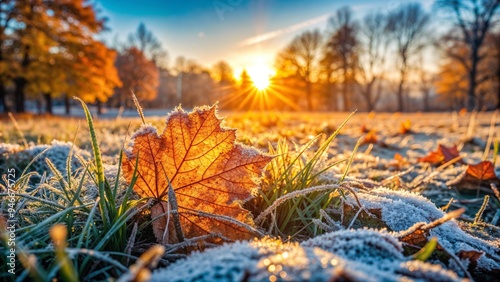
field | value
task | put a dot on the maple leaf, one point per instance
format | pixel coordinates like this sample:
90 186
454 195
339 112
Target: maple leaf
482 171
478 176
210 174
442 155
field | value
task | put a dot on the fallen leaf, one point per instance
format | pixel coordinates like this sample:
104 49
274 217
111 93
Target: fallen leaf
364 128
370 138
405 127
483 171
478 176
398 161
209 172
463 112
442 155
416 238
472 256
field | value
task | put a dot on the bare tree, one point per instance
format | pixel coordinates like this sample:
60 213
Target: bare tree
148 44
474 19
342 51
425 81
407 26
301 58
373 57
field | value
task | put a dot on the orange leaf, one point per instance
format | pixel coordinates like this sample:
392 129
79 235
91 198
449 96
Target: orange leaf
449 153
478 176
482 171
442 155
405 127
370 138
462 112
209 173
399 158
399 161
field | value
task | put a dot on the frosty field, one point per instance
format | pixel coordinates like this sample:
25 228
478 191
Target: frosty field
380 200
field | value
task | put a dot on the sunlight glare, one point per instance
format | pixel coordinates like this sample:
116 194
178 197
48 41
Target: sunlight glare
260 75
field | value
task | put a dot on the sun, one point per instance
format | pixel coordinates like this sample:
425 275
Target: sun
260 75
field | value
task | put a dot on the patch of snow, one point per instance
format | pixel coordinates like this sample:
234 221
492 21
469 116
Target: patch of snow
401 209
318 259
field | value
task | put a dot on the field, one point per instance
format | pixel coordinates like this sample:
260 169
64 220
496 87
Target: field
387 196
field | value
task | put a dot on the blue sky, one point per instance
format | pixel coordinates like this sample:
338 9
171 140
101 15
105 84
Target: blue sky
212 30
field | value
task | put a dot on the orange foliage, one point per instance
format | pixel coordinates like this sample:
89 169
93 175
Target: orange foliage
138 75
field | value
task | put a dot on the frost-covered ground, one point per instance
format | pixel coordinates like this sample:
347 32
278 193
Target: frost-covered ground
374 247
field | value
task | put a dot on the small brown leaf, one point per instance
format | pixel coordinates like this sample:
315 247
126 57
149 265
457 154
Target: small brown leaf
417 238
208 171
471 255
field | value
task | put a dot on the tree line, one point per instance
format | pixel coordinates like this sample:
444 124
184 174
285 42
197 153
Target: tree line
378 62
382 61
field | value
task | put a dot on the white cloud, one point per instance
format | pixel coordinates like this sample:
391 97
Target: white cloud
275 33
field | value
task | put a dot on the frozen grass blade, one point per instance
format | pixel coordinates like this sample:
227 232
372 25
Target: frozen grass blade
491 134
139 108
480 212
346 171
293 173
95 144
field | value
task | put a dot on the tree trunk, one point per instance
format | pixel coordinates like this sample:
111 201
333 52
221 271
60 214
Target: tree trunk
309 95
426 100
21 82
67 105
498 75
99 107
345 96
368 96
3 98
400 96
48 103
471 93
19 94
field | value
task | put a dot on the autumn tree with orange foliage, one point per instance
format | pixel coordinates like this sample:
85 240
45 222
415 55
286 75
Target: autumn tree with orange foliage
138 75
40 41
